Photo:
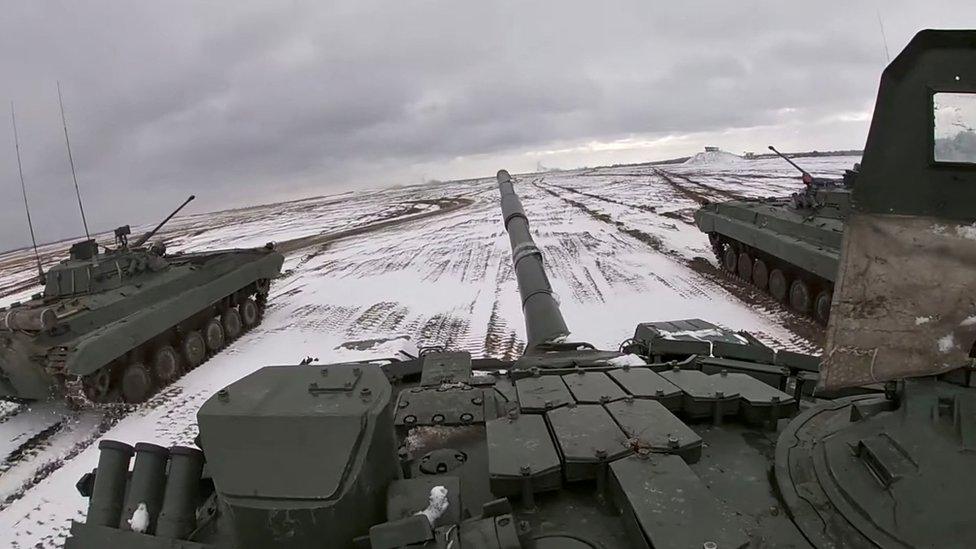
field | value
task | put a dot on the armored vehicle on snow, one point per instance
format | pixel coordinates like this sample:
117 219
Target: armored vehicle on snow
122 322
786 246
708 439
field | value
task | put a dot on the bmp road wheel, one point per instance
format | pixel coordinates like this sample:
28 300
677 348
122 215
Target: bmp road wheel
800 296
777 284
96 385
213 334
745 266
137 383
194 349
166 364
760 274
821 306
231 321
730 259
249 312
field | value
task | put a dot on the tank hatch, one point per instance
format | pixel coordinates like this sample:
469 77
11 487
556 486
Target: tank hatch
868 467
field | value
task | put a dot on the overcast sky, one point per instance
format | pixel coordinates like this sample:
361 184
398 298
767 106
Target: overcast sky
249 102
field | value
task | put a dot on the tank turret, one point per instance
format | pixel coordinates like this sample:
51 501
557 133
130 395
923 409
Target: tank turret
691 436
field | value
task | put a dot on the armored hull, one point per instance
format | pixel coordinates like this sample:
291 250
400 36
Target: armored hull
785 246
124 322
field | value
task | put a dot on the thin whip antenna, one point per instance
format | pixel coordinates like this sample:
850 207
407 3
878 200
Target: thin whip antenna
884 38
23 188
71 160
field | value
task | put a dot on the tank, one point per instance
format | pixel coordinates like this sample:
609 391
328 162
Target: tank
689 436
789 246
119 322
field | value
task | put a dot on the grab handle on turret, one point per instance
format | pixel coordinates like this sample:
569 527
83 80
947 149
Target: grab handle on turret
543 320
142 239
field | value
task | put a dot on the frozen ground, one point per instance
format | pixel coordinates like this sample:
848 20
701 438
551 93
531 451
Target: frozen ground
370 273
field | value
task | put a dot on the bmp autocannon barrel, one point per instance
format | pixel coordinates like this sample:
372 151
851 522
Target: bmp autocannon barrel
543 321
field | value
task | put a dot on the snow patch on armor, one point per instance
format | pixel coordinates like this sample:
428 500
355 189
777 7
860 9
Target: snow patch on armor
140 519
437 504
947 343
627 360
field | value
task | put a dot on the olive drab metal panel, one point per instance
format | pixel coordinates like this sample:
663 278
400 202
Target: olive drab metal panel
905 303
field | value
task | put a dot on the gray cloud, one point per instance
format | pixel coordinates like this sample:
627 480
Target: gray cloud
248 102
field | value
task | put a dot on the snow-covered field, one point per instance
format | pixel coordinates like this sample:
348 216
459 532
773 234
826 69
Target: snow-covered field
620 247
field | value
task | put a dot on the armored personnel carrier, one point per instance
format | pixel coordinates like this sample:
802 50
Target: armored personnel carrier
121 322
786 246
707 439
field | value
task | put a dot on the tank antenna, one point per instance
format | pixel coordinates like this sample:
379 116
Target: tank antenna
884 39
23 188
71 161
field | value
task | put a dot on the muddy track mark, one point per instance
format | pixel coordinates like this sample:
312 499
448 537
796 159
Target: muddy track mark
111 417
649 239
447 205
671 177
642 207
803 327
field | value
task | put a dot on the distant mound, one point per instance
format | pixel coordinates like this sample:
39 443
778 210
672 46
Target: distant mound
713 158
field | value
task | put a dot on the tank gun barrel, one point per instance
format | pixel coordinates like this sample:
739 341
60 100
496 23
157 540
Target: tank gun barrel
543 321
142 239
805 173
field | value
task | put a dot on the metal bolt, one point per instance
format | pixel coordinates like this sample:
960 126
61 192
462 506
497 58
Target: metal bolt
504 521
629 399
719 394
547 404
437 419
601 454
672 441
324 372
403 404
675 367
604 399
477 401
513 414
773 510
659 393
223 395
525 470
365 393
724 373
709 545
410 419
466 418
